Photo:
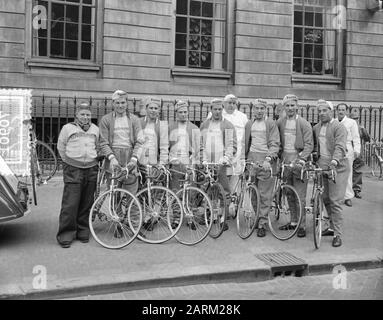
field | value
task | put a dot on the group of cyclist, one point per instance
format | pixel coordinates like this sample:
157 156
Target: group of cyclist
226 138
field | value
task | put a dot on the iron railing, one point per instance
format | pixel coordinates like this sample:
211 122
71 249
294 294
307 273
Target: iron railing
52 113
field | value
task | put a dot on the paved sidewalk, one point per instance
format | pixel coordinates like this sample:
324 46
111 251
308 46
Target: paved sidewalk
360 285
89 268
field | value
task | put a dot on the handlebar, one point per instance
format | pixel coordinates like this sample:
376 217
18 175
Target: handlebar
320 170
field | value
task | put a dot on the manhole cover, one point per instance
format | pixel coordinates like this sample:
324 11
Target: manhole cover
283 263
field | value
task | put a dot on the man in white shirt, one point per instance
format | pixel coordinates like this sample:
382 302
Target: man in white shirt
353 146
238 119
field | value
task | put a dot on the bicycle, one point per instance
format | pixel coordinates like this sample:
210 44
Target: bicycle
316 206
196 207
377 159
159 207
285 202
43 161
217 196
115 217
245 207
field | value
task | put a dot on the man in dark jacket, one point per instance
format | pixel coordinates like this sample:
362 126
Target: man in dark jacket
262 146
296 146
121 137
358 163
330 137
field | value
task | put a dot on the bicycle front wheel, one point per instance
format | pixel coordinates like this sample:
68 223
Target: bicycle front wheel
248 210
318 219
46 165
162 214
217 197
197 210
115 218
102 183
286 213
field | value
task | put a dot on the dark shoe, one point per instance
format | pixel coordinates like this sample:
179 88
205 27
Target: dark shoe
348 202
288 226
301 233
84 237
149 225
118 232
225 227
191 225
327 232
261 232
358 195
65 244
337 241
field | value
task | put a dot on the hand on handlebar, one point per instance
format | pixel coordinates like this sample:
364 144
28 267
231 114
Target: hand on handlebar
266 165
131 165
224 161
174 161
114 163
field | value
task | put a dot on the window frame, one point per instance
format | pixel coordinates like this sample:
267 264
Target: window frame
339 60
65 63
226 72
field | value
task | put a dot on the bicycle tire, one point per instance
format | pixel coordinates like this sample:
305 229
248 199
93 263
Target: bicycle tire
119 225
280 214
33 175
101 181
317 219
45 158
158 218
376 167
218 200
248 211
196 224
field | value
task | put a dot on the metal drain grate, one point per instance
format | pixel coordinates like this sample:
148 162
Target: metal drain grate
283 263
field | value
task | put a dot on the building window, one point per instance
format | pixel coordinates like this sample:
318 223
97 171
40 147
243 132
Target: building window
70 32
200 40
317 25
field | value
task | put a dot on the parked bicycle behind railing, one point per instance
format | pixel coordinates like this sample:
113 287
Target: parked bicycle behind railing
43 164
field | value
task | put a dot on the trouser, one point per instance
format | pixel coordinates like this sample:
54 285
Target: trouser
77 199
265 187
349 194
333 196
175 183
357 174
301 188
223 179
233 186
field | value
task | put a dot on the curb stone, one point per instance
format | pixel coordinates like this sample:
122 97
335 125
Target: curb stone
115 284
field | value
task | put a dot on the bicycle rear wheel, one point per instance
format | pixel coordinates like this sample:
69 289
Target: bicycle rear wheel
115 218
197 210
286 213
46 164
318 219
248 210
162 214
33 174
217 197
376 167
